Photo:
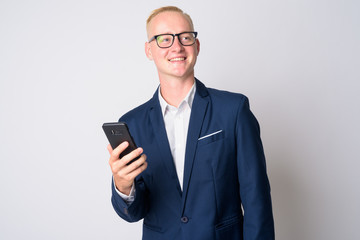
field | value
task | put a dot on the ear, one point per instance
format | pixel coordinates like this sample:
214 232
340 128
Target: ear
198 46
148 51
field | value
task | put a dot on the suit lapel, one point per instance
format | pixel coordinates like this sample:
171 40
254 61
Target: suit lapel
198 112
157 122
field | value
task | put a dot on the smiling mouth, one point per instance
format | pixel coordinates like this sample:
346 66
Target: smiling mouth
177 59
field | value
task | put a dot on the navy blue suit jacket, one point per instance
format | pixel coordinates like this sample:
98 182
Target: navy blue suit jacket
223 171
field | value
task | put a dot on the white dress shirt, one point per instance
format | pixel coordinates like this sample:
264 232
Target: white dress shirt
177 124
176 121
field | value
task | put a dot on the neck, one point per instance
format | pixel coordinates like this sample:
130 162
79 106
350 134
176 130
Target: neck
175 90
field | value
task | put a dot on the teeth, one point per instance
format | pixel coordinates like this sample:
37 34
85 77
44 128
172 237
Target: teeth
177 59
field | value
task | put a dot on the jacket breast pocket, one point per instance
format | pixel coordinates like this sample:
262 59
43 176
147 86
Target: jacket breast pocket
212 137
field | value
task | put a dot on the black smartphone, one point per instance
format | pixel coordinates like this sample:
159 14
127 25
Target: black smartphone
118 132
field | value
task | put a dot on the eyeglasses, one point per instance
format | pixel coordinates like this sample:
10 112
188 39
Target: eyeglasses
167 40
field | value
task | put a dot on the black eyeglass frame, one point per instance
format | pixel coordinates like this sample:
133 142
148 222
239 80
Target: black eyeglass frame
173 39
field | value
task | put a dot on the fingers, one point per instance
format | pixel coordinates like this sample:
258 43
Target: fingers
139 169
131 156
122 164
109 148
129 169
124 175
123 171
114 154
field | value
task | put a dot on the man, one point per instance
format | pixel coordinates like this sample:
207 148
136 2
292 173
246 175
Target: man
204 158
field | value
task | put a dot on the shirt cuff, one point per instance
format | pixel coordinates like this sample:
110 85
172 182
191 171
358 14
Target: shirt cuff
127 198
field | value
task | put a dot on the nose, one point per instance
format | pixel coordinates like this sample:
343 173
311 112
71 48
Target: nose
177 45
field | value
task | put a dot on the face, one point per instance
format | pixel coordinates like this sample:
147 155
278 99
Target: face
178 60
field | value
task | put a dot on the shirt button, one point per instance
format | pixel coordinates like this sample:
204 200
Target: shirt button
184 219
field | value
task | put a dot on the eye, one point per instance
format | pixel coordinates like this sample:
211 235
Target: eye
164 38
187 37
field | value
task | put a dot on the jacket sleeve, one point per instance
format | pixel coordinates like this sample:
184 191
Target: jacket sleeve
252 176
137 209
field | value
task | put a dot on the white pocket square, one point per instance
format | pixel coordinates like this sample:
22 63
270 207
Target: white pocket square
210 134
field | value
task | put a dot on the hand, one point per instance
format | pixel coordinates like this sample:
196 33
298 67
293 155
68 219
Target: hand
124 174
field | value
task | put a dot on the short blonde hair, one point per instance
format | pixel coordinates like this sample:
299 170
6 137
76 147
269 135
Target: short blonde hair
168 9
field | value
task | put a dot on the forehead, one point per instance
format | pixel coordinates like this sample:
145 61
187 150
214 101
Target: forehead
169 22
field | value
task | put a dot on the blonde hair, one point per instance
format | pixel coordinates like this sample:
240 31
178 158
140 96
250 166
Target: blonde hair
168 9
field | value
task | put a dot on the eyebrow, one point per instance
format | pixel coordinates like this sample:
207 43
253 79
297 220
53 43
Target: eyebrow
174 33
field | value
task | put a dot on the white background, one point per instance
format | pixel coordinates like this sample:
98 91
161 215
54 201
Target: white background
68 66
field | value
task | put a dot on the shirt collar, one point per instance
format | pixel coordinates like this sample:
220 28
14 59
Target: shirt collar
188 99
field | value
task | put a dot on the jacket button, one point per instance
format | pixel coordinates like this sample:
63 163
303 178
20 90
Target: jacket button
184 219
